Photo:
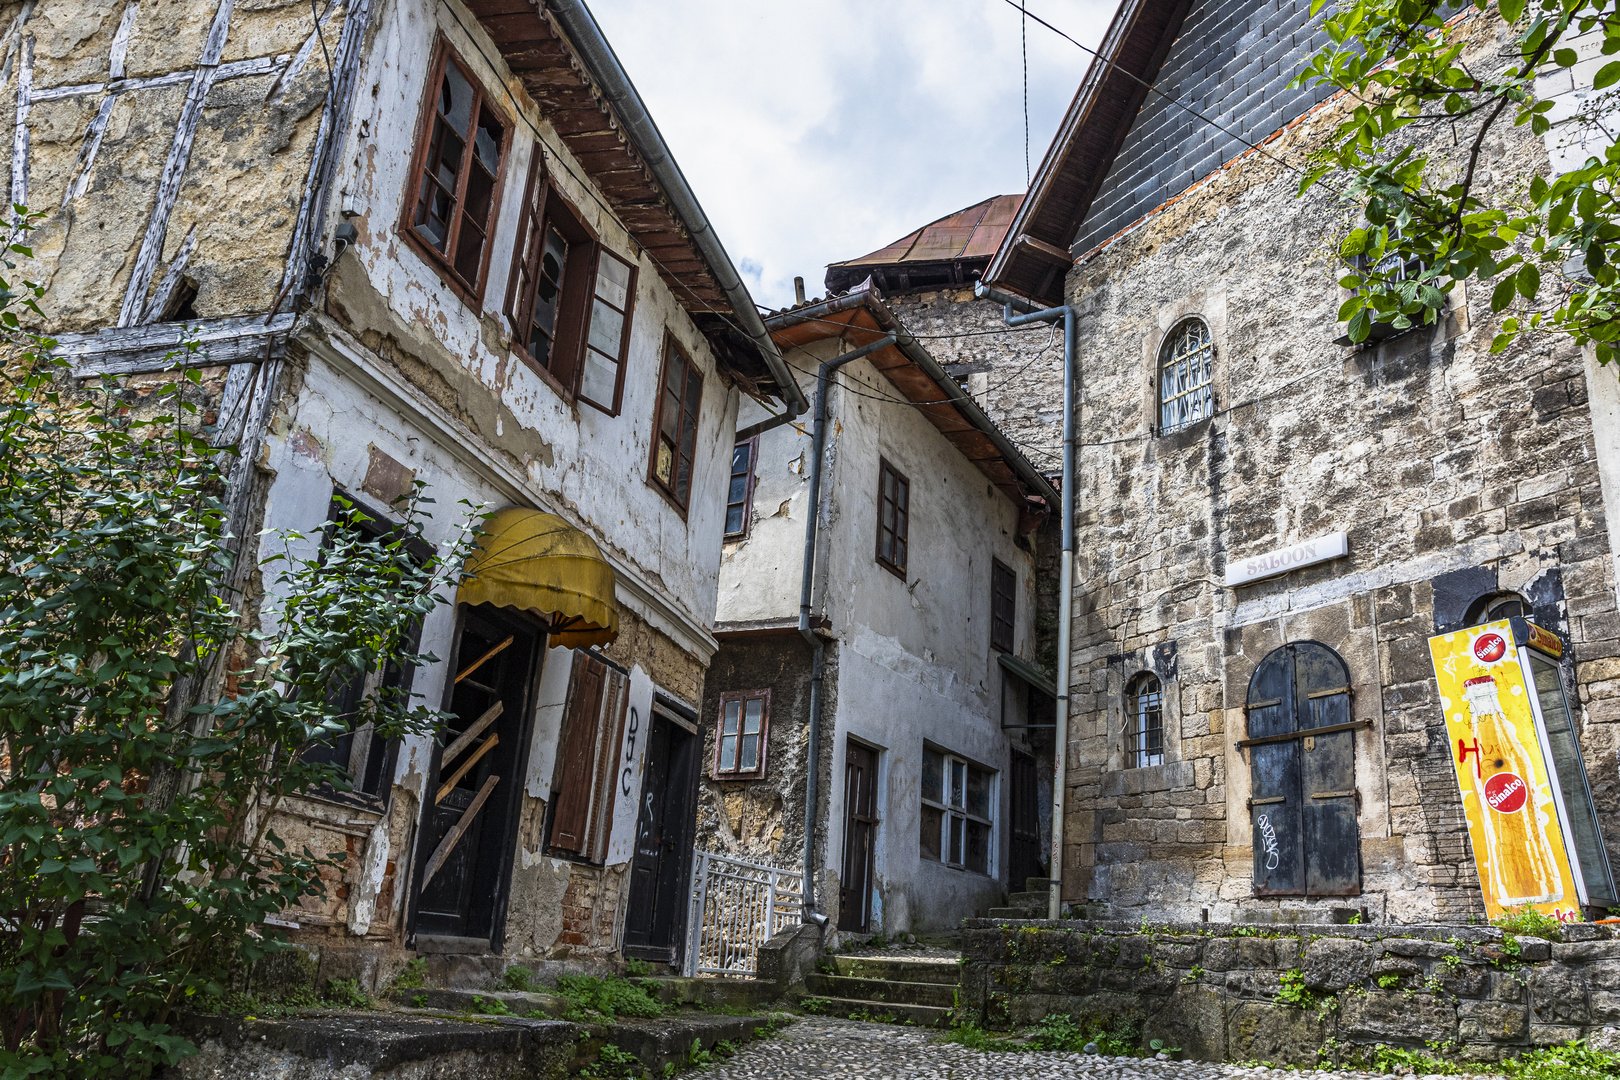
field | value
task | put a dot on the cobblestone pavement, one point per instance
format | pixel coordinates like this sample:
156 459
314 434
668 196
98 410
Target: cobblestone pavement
822 1047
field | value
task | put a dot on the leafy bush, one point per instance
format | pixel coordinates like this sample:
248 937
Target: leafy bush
1059 1032
591 998
613 1063
347 994
1528 922
150 731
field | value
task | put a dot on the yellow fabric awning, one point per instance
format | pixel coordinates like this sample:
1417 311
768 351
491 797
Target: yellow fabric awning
538 562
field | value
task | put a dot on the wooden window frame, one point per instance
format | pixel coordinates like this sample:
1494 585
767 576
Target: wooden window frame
670 491
748 494
564 369
949 809
998 570
1140 750
902 520
742 697
471 293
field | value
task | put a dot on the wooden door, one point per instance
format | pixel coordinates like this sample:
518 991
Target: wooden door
1303 800
656 915
463 855
1024 853
860 834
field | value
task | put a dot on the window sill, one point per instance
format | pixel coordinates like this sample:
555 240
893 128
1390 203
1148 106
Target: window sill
472 298
653 483
897 571
727 778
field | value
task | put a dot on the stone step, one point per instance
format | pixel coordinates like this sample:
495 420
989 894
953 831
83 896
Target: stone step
1033 898
941 995
1038 884
1017 913
880 1011
894 969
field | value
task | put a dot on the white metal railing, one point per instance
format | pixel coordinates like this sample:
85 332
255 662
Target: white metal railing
736 907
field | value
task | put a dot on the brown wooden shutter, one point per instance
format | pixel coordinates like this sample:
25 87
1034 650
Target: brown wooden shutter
611 741
576 754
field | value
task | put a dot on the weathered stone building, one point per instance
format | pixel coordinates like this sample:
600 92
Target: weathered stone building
1222 419
436 244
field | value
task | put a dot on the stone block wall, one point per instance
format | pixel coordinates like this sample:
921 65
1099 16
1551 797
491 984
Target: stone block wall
1250 992
1456 474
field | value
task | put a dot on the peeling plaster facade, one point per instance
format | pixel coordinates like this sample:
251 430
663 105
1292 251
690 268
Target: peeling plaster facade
187 156
907 662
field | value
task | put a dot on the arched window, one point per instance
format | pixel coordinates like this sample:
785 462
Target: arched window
1497 606
1302 761
1144 722
1186 363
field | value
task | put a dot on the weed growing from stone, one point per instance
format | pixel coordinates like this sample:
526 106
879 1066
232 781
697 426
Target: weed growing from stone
637 969
592 999
413 977
490 1006
815 1006
1528 922
346 994
1292 990
613 1063
517 977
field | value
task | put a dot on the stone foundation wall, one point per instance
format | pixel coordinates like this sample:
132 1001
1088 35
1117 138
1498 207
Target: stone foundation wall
1222 991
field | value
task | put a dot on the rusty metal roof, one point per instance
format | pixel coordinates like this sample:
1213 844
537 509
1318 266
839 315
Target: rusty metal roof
944 252
860 316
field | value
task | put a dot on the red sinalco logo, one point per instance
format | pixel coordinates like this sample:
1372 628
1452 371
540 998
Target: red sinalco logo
1506 792
1490 648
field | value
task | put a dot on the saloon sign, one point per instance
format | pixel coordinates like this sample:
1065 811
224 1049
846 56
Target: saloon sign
1305 553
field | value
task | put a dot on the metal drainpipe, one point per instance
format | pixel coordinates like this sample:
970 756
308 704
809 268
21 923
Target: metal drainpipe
818 443
1071 380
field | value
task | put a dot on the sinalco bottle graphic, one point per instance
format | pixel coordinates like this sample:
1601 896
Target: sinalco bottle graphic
1523 867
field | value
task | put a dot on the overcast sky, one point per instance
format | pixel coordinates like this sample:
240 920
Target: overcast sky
814 132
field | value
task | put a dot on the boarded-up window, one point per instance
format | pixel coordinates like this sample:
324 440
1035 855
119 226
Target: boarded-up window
584 787
1003 605
1302 759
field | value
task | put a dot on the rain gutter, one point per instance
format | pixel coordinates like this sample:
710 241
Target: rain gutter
611 79
1071 397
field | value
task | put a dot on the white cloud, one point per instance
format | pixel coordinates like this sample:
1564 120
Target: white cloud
813 132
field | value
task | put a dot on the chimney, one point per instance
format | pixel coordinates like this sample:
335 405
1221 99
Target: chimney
798 290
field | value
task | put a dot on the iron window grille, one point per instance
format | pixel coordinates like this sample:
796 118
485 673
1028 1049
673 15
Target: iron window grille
1498 606
957 820
680 392
460 158
740 492
570 300
894 519
1003 605
1397 268
1186 376
739 745
1145 702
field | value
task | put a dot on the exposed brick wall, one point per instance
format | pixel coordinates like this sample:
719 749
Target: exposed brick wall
1232 63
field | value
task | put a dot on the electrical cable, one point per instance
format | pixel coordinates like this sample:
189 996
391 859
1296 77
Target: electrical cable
315 13
1023 46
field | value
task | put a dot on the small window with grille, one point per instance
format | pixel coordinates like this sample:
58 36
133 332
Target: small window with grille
1144 702
1186 372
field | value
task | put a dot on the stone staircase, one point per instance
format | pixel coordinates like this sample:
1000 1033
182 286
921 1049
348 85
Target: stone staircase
1029 904
921 991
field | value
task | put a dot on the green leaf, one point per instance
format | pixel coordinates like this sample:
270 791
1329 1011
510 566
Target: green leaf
1503 294
1529 278
1511 9
1607 75
1565 57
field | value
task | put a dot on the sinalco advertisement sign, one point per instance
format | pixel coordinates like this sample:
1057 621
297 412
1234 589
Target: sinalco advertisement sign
1507 792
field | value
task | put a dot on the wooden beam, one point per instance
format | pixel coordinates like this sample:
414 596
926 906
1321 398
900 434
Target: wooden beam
174 168
457 831
171 280
465 739
1042 250
19 135
472 759
134 350
478 663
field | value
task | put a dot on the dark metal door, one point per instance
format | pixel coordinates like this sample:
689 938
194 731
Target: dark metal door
1303 802
464 850
657 914
860 827
1024 847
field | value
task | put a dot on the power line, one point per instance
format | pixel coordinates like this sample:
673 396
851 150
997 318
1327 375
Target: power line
1023 46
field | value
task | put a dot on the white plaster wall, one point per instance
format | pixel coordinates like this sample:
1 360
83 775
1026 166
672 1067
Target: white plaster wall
914 661
596 470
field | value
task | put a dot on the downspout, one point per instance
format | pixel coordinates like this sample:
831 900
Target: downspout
1071 378
812 775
